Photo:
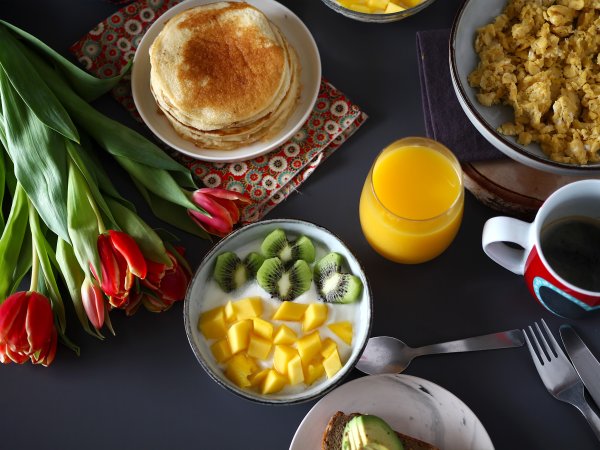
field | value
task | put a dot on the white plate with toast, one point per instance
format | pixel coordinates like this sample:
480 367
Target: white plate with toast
410 405
297 35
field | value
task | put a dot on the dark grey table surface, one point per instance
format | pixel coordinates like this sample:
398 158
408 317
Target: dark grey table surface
143 387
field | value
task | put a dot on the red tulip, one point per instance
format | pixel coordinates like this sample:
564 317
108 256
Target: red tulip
223 207
27 329
93 302
167 285
121 260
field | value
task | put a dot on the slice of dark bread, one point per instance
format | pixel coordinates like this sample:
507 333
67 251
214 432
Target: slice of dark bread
334 434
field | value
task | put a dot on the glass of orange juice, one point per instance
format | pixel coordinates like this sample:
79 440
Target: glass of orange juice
411 205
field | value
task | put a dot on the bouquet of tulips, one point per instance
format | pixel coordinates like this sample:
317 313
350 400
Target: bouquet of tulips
66 225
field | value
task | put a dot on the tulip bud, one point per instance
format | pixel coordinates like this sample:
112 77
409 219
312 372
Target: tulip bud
93 302
223 207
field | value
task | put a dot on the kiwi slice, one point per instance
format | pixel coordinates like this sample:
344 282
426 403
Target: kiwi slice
231 272
284 283
253 262
276 244
333 285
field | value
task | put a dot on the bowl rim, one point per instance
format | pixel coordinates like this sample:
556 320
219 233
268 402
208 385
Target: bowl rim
376 17
250 395
524 153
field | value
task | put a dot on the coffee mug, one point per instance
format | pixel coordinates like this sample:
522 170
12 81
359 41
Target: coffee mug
560 254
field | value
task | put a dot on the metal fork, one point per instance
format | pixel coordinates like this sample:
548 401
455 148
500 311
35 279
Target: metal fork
559 375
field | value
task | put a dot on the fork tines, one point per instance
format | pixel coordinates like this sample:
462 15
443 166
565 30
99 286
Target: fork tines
549 353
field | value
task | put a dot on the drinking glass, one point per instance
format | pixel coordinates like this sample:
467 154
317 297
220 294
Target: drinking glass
412 201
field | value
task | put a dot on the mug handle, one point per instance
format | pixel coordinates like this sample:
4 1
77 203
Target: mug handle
499 230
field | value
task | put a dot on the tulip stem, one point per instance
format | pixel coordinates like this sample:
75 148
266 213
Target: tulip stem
35 269
101 227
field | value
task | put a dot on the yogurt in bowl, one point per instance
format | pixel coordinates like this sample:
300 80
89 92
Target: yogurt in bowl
205 298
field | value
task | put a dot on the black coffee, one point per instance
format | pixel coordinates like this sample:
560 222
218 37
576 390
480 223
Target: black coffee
572 248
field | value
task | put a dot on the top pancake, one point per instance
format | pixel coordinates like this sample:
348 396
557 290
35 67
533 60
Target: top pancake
219 64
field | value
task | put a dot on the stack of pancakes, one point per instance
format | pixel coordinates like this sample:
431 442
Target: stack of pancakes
224 75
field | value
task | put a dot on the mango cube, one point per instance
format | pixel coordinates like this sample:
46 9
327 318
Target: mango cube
273 382
327 347
407 3
212 323
257 378
258 347
393 8
313 371
248 308
332 364
229 312
238 335
309 346
378 4
263 328
360 8
343 330
221 350
239 368
314 316
294 370
290 311
285 335
282 355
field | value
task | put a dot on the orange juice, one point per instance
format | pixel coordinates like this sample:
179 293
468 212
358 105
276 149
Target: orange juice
412 201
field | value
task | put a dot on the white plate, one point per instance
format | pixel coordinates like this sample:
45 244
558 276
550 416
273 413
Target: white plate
411 405
486 119
298 36
203 292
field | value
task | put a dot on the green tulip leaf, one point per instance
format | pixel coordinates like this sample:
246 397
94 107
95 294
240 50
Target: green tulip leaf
39 159
46 256
83 222
2 186
11 241
112 136
171 213
23 265
73 277
87 86
32 88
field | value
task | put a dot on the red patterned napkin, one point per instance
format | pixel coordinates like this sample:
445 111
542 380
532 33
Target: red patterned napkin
268 179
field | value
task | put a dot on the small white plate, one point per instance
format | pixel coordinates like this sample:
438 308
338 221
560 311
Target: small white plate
410 405
298 36
203 292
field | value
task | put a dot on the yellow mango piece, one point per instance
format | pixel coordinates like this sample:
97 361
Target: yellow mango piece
313 371
343 330
290 311
393 8
229 312
248 308
309 346
257 378
328 346
212 323
285 335
258 347
263 328
221 350
239 368
360 8
332 364
282 355
274 382
294 370
378 4
314 316
238 335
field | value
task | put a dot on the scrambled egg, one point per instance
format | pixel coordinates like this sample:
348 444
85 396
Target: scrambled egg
542 58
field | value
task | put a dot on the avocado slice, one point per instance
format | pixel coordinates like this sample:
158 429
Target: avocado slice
368 432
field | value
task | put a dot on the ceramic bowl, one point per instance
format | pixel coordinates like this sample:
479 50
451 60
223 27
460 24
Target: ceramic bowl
410 405
204 294
463 60
376 18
